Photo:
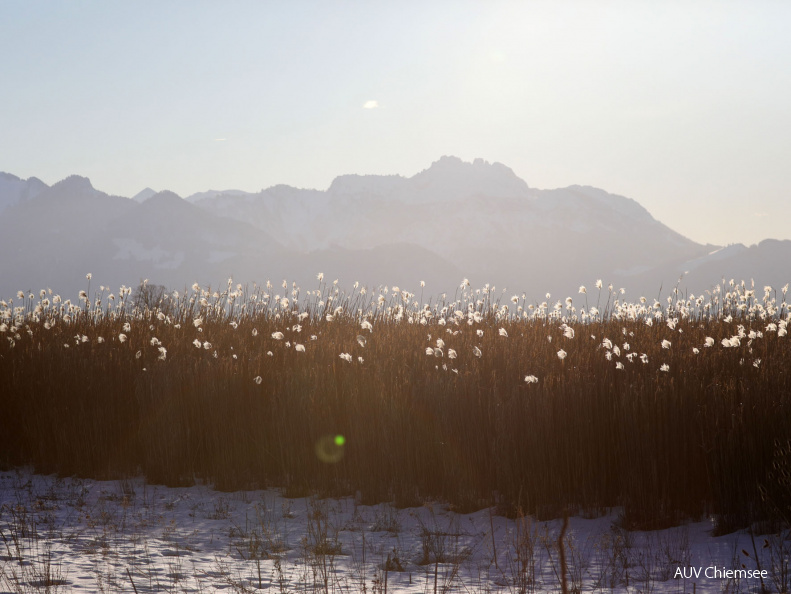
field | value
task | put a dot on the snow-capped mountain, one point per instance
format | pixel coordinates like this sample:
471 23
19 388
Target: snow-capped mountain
453 220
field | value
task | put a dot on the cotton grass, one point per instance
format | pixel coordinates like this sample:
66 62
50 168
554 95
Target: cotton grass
487 408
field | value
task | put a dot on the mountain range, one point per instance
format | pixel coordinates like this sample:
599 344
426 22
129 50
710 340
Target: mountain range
453 220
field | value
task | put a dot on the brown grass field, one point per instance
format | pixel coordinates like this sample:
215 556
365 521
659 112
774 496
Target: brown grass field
465 398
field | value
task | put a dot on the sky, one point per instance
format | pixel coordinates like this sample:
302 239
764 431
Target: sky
683 106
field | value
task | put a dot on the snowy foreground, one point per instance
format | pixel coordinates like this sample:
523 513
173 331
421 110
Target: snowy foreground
61 535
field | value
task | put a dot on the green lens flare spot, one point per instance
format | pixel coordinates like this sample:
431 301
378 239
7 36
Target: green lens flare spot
329 448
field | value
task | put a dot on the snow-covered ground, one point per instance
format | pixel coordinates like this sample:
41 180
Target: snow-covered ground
61 535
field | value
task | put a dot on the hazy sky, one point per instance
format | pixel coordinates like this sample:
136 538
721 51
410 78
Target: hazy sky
683 106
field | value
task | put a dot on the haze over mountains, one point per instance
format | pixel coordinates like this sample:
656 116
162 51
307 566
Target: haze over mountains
451 221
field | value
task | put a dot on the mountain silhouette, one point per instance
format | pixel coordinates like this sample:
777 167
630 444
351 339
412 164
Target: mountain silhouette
453 220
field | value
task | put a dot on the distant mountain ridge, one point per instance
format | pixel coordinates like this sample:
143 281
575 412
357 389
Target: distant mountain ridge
14 190
144 195
452 220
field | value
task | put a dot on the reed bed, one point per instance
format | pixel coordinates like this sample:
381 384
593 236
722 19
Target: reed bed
671 409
